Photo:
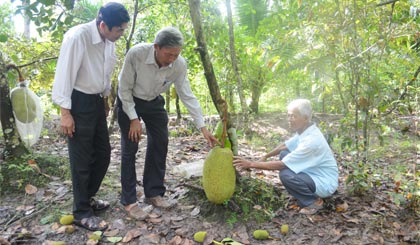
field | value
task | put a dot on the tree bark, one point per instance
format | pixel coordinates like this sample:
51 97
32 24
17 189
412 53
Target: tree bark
14 146
205 59
256 89
234 60
218 101
26 21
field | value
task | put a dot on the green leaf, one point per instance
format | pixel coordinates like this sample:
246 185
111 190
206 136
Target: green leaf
47 219
114 239
47 2
3 38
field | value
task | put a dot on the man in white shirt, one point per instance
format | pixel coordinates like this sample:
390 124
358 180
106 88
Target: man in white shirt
82 82
308 169
150 69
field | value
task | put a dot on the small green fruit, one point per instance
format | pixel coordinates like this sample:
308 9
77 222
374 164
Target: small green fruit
200 236
67 219
284 229
70 229
261 234
58 243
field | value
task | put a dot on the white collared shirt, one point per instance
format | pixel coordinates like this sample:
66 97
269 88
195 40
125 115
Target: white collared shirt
142 78
85 63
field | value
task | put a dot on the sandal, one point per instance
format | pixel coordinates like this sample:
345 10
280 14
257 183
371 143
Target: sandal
93 223
136 213
98 205
313 208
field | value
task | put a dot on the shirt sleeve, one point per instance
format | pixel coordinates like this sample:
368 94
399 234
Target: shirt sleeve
301 158
127 80
291 143
182 86
68 64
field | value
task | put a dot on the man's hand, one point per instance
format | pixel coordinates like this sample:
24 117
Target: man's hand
135 130
241 163
211 140
67 123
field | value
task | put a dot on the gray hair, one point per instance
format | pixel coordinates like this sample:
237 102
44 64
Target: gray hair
169 37
303 106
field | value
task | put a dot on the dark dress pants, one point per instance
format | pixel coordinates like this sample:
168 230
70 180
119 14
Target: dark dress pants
301 186
155 117
89 150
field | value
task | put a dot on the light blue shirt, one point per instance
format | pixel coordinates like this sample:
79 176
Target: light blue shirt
311 154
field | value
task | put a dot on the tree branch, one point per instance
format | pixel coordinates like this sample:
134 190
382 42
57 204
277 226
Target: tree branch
386 2
38 61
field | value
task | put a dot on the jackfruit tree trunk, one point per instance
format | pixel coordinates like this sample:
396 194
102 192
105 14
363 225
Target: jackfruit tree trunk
205 59
13 145
218 101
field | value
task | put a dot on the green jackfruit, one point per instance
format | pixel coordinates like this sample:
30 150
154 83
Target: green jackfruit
261 235
218 135
67 219
199 236
219 175
23 105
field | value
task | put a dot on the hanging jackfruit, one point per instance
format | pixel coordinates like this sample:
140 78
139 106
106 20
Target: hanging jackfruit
218 135
219 175
24 106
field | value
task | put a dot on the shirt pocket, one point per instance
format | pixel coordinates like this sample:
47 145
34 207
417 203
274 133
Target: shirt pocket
165 85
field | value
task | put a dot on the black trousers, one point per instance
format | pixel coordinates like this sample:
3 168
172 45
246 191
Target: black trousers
89 150
301 186
155 117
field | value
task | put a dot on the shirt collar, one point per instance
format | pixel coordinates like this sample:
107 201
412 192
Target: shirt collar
96 38
308 129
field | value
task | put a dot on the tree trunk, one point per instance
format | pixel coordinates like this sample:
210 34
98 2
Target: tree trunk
26 21
218 101
178 109
205 59
168 100
256 89
14 146
234 60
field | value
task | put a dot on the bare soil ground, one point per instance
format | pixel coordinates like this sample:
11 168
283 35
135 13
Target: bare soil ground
369 219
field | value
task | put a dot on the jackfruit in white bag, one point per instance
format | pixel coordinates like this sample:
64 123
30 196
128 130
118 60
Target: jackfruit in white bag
28 113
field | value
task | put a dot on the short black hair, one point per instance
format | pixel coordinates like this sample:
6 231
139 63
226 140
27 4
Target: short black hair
112 14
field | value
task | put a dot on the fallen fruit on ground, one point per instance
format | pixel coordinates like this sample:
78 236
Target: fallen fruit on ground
199 236
67 219
261 234
284 229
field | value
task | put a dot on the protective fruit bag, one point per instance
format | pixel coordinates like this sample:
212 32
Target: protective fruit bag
28 113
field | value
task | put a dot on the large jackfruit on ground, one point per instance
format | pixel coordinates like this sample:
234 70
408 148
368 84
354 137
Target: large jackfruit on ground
219 175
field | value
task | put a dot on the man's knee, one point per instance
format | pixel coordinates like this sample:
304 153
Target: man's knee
286 176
